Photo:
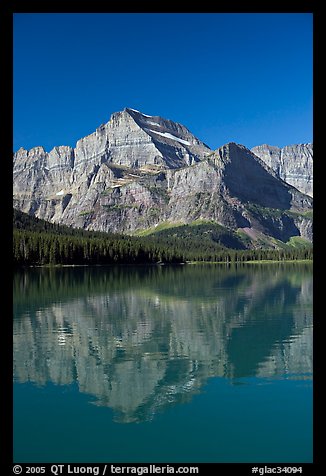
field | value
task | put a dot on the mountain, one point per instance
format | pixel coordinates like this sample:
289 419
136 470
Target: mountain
293 164
140 172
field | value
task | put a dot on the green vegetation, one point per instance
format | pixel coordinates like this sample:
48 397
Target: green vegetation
258 210
202 235
159 193
155 229
118 207
275 213
309 214
37 242
107 191
85 213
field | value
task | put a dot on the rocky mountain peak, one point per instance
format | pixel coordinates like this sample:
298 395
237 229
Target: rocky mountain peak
172 139
138 171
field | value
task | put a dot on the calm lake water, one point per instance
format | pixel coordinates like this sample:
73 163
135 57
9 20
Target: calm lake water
163 364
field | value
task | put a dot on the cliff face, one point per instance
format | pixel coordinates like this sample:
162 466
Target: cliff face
293 164
139 171
45 184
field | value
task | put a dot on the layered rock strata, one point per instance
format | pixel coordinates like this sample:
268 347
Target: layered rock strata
293 164
139 171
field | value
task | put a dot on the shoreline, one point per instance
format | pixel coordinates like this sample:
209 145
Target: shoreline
229 263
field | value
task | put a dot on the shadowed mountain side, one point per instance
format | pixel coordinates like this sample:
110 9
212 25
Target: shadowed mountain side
250 180
140 345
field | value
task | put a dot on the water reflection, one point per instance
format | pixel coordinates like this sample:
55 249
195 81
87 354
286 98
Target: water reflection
141 339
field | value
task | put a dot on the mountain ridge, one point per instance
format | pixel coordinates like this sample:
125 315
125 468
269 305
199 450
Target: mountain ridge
138 171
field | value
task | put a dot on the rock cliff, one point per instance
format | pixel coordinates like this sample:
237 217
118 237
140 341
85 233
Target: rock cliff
139 171
293 164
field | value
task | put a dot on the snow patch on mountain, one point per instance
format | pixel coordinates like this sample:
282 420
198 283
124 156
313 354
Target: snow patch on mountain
153 123
138 112
169 136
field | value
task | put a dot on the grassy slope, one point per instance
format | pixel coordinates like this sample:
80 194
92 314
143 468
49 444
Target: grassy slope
203 232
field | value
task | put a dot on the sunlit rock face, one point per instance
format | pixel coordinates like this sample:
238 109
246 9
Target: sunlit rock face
138 171
64 184
292 163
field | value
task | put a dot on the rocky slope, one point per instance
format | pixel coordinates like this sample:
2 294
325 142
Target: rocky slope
293 164
138 171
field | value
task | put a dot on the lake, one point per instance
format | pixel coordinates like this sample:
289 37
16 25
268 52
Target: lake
177 364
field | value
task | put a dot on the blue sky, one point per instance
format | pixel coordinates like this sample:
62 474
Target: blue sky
236 77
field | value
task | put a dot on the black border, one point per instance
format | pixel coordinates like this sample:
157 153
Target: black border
8 9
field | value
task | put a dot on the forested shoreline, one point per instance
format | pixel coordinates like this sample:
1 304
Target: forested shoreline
37 242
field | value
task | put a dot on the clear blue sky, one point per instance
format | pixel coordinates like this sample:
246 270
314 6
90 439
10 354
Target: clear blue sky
236 77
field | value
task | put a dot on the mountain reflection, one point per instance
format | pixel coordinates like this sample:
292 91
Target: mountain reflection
141 339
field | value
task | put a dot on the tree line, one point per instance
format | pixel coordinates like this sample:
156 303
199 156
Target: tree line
40 248
44 243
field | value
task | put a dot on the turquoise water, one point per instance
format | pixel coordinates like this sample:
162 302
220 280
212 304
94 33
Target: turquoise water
163 364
